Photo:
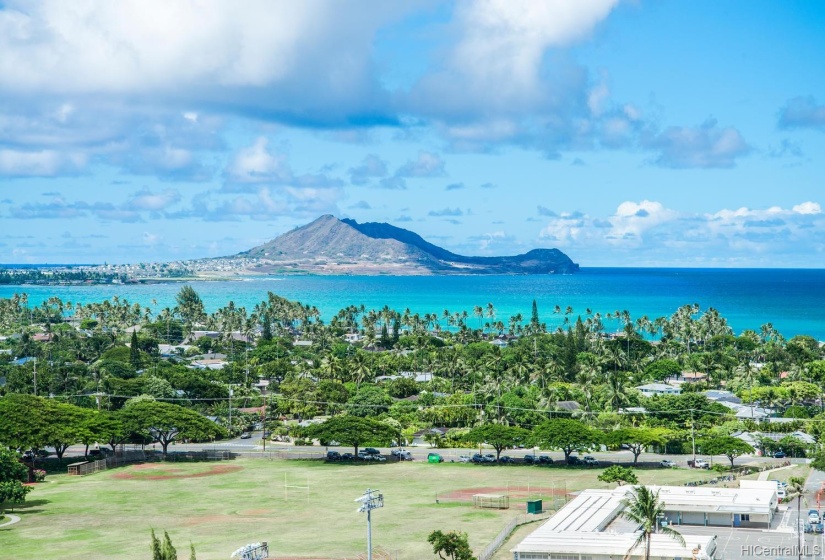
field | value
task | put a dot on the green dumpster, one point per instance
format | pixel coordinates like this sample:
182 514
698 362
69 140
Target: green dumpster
533 506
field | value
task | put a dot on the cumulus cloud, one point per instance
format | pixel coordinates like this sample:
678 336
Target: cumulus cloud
146 200
704 146
372 167
281 57
650 230
503 42
42 163
802 112
427 164
59 208
258 164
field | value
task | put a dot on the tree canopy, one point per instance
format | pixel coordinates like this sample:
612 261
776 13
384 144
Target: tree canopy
567 435
450 546
166 423
498 436
729 446
351 430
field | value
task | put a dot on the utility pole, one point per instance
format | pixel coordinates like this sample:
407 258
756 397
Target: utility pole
230 411
692 437
369 501
35 376
266 403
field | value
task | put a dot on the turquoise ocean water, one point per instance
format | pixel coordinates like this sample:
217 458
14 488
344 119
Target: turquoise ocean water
793 300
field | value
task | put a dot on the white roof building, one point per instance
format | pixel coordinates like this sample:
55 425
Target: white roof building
584 528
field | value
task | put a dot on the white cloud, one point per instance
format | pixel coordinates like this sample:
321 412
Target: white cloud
704 146
281 55
41 163
427 164
648 231
257 164
808 208
504 40
153 202
633 219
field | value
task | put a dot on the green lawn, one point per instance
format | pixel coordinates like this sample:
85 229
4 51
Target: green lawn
105 516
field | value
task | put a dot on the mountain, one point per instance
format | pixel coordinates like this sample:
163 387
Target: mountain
332 246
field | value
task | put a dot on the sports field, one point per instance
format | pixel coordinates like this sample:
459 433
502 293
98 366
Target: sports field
222 506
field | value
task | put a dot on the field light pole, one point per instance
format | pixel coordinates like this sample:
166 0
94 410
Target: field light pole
369 501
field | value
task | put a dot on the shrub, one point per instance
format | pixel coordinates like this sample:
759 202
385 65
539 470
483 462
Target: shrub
39 475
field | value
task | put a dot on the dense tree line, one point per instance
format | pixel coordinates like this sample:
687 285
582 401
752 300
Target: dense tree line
475 369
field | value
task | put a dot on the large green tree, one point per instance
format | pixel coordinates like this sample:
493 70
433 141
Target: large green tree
618 474
25 421
166 423
450 546
567 435
498 436
729 446
12 475
352 430
636 439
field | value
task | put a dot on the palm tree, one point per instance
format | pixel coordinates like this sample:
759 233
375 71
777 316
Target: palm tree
796 484
642 506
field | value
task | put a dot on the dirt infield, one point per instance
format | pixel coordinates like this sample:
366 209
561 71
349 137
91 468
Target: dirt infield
518 493
168 473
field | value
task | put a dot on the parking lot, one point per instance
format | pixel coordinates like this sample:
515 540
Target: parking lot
740 544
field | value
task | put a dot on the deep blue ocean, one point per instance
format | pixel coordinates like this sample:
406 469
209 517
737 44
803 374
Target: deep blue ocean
793 300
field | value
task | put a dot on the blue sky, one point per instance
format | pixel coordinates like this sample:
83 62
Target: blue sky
636 133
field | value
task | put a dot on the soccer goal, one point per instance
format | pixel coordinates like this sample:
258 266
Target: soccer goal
491 501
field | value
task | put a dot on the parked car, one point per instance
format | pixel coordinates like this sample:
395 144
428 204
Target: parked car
544 460
701 464
813 516
402 454
573 460
477 458
506 459
489 458
813 527
590 461
529 459
333 456
371 451
347 456
781 493
434 458
779 455
379 458
246 435
464 459
667 463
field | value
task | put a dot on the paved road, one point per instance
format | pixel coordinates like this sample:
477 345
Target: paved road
255 444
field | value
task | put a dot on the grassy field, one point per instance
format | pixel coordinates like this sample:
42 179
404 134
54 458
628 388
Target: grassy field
109 514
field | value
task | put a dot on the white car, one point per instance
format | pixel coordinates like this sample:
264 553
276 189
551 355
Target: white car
701 464
463 458
667 463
